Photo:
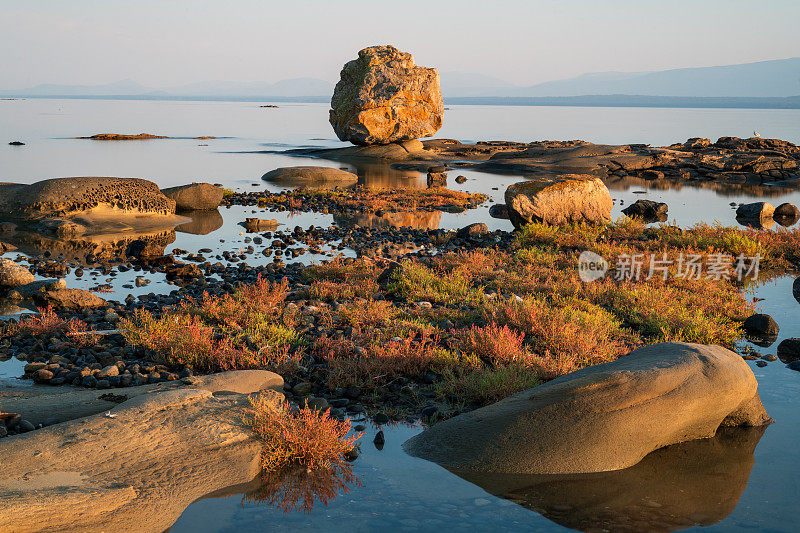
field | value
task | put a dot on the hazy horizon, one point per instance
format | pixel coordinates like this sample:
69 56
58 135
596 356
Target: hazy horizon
165 44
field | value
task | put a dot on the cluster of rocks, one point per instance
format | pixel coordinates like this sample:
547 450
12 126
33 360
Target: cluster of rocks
764 214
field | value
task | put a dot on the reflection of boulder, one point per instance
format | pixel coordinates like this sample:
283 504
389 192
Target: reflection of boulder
603 417
416 220
102 247
697 483
203 222
756 223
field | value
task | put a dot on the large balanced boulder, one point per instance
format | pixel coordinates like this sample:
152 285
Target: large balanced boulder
568 198
310 177
601 418
13 275
383 97
195 196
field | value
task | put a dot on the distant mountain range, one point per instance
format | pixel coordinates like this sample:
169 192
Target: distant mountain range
764 79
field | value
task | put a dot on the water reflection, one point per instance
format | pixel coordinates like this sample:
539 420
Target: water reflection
298 489
694 483
102 246
413 219
202 223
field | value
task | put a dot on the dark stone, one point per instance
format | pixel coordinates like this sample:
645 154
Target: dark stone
359 427
499 211
461 179
760 324
16 143
24 426
761 364
115 398
794 365
789 350
796 289
42 376
380 418
647 210
429 411
89 382
103 384
786 210
473 230
386 276
379 440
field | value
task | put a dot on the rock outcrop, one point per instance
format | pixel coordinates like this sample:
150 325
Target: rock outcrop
196 196
13 275
60 197
568 198
601 418
310 177
383 97
139 466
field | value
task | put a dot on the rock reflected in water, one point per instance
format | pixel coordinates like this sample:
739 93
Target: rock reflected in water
202 223
414 219
696 483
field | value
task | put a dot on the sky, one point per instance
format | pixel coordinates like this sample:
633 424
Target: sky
162 43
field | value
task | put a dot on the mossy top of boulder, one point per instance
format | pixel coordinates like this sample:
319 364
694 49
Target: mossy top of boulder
63 196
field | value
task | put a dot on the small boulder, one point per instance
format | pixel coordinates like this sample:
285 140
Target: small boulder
499 211
756 210
761 324
647 210
383 97
461 179
786 210
310 177
13 275
196 196
477 229
789 350
69 299
569 198
260 224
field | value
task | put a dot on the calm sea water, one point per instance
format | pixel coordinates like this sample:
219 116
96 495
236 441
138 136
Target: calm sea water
398 492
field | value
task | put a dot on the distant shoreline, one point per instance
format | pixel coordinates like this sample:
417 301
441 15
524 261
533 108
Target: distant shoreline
613 100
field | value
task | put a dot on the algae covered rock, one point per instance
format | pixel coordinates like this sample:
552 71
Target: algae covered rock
383 97
569 198
601 418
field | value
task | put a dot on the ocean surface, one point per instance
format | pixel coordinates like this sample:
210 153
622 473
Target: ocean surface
397 492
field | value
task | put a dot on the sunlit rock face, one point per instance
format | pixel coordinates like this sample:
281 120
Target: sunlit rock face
383 97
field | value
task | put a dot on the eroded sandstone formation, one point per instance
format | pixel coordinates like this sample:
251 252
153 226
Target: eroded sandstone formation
383 97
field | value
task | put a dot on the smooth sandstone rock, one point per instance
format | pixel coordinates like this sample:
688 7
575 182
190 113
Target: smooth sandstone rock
137 468
383 97
14 275
601 418
310 177
569 198
195 196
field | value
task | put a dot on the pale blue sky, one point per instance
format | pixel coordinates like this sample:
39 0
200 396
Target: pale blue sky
162 42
